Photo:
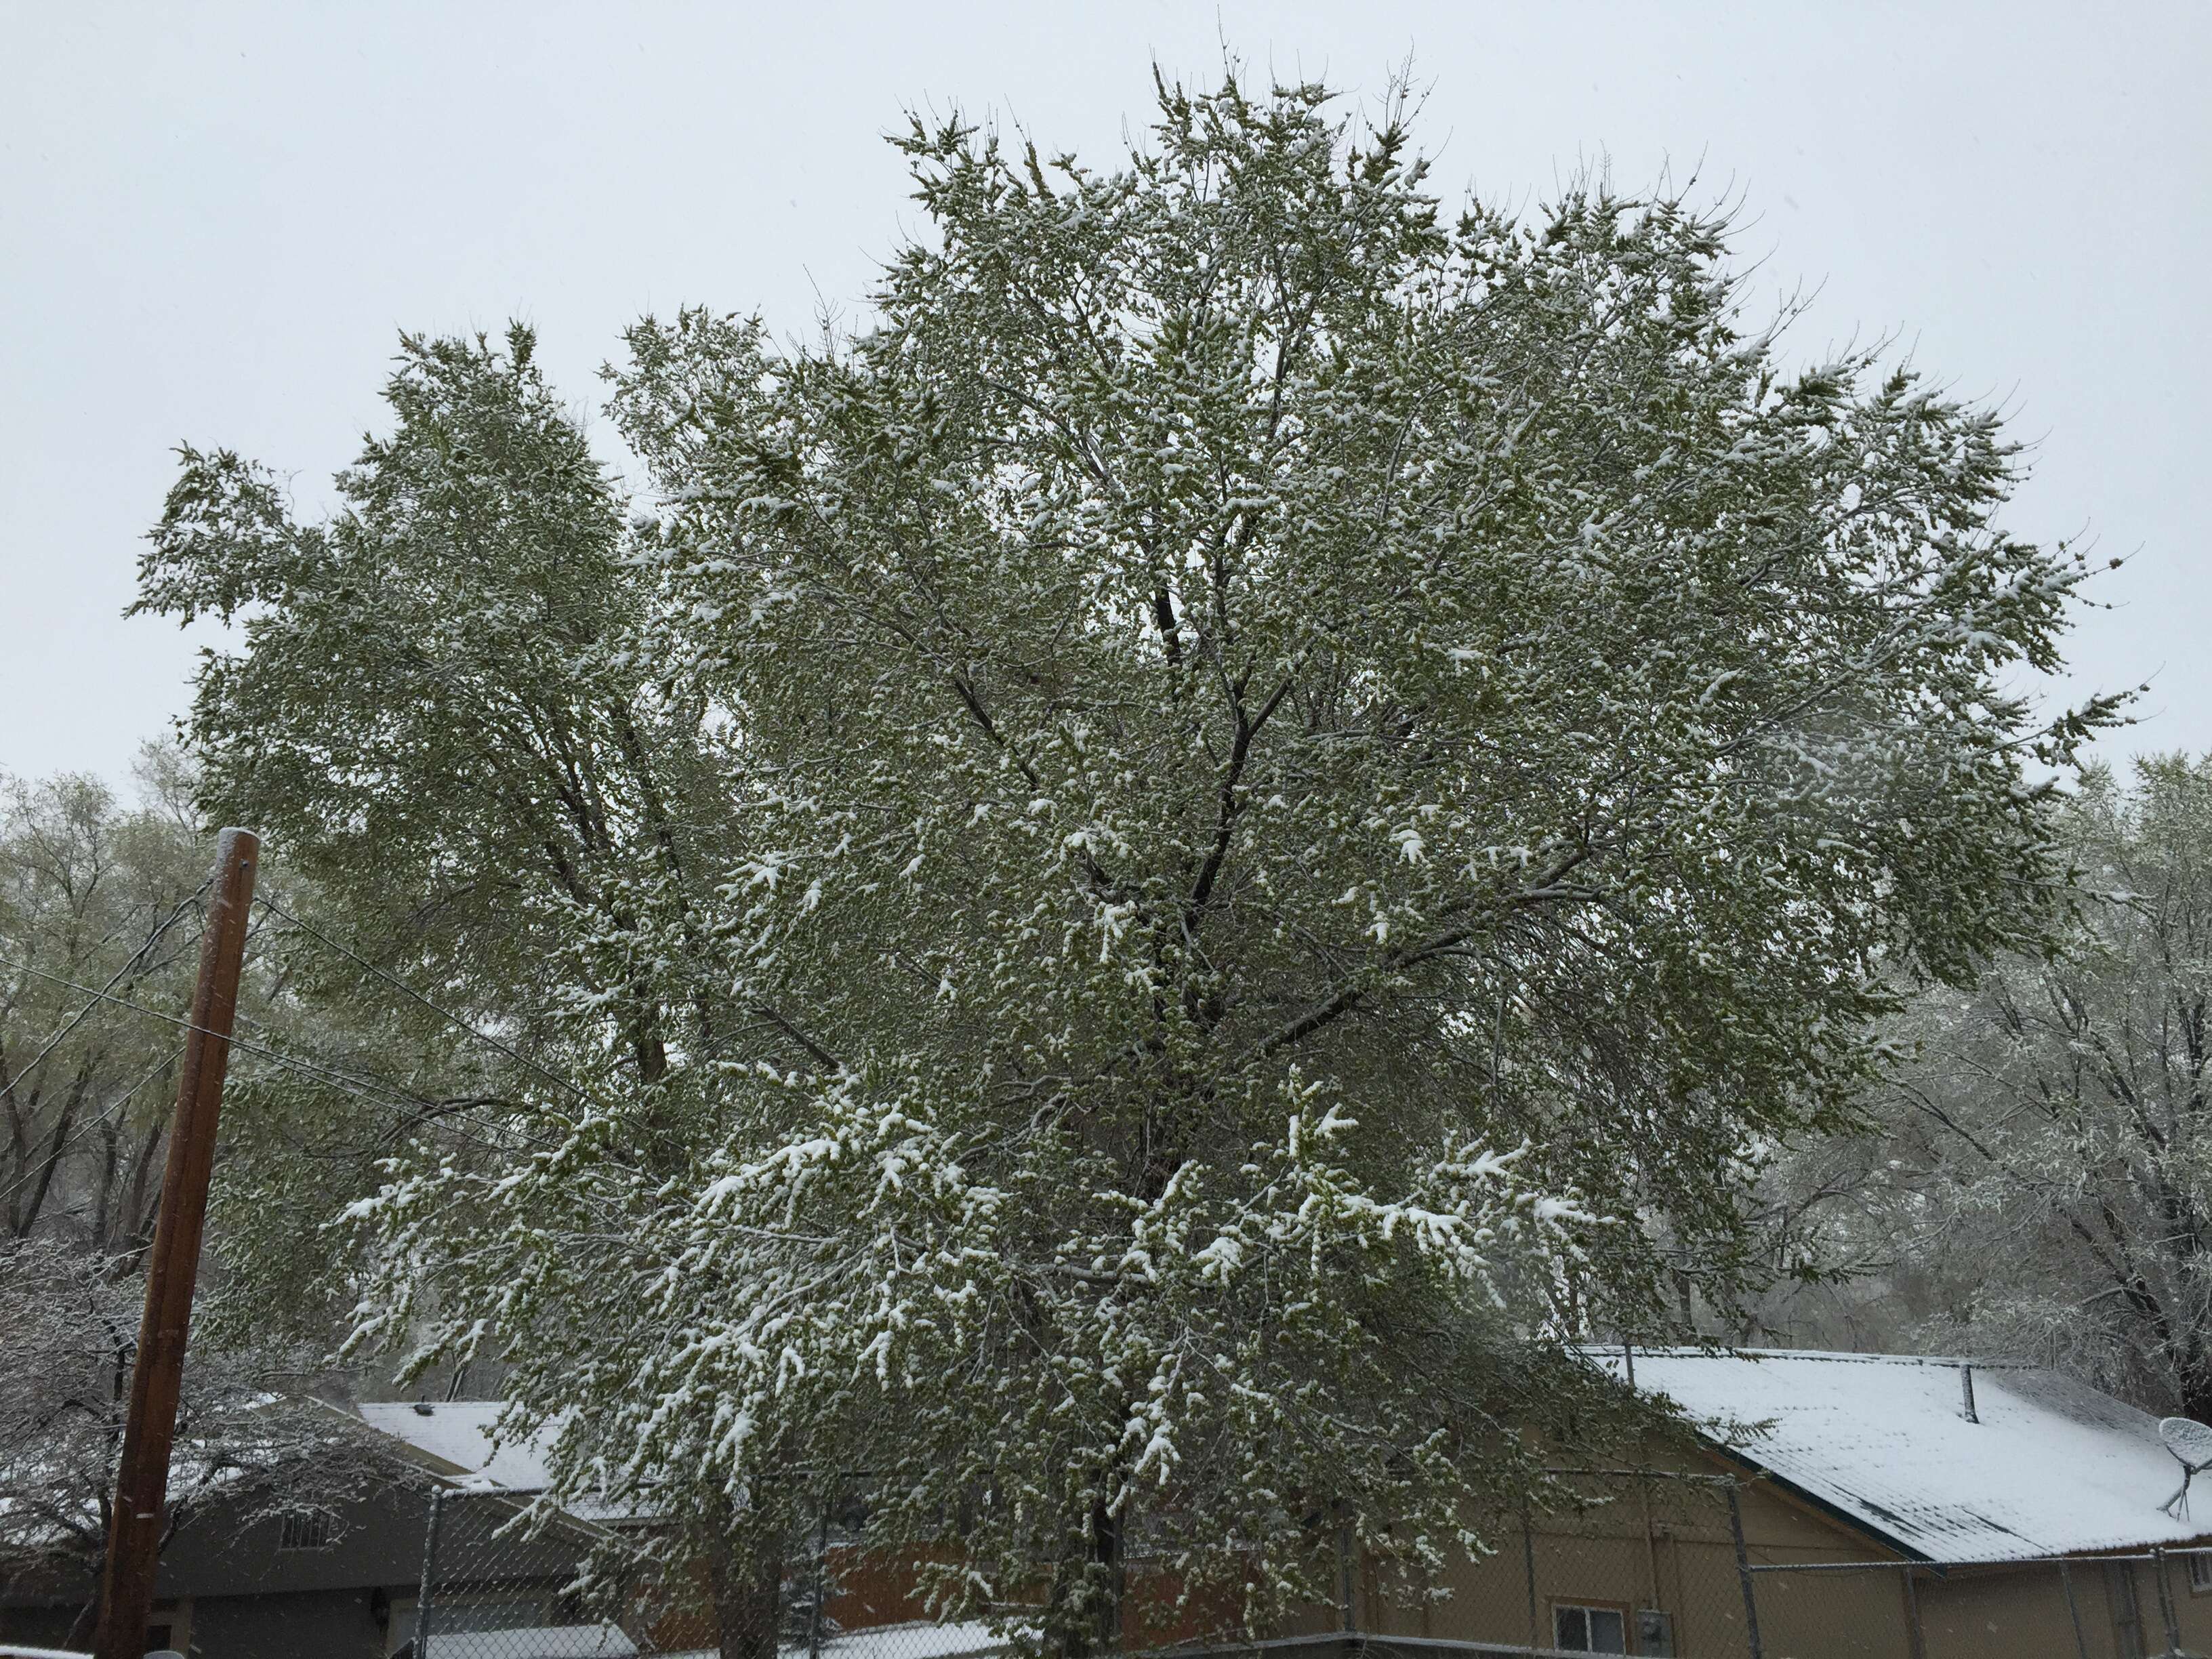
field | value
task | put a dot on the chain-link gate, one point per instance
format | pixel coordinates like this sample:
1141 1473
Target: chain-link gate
502 1580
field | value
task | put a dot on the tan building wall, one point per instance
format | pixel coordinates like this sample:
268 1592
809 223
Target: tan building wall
1986 1613
1666 1546
1656 1543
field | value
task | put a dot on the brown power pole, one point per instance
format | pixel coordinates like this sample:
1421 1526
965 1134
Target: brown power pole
142 1482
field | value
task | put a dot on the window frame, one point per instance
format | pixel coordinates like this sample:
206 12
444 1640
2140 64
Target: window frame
1620 1610
300 1532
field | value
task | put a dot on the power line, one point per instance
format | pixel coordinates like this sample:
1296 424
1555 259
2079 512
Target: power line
121 972
112 1106
374 1091
586 1098
399 984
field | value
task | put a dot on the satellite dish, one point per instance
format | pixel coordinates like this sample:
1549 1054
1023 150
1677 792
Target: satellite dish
2190 1443
2188 1440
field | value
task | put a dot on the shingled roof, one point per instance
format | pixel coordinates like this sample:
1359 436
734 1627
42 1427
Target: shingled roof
2049 1467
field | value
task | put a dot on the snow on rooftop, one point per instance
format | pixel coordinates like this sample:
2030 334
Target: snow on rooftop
921 1640
2052 1467
458 1435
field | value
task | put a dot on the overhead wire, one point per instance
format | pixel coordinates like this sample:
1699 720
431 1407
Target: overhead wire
445 1014
115 1105
121 974
375 1091
378 1093
583 1096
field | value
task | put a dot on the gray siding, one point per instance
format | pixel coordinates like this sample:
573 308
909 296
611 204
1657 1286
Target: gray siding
378 1540
250 1597
306 1625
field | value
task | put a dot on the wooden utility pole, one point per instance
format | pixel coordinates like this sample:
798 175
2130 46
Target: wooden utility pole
141 1481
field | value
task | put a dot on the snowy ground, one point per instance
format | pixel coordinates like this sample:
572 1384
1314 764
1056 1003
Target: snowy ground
545 1642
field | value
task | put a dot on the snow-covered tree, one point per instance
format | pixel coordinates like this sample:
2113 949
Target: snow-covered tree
72 1324
1236 811
92 893
2038 1181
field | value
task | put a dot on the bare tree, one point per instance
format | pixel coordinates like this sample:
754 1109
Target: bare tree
72 1325
2038 1178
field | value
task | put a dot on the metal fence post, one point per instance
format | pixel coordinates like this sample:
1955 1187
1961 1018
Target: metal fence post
2166 1603
1529 1568
429 1571
821 1586
1348 1618
2073 1609
1743 1572
1913 1631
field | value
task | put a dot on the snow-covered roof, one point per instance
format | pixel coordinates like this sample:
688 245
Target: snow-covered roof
456 1436
458 1433
919 1639
2051 1467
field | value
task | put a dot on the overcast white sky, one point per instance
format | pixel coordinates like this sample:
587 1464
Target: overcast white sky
215 217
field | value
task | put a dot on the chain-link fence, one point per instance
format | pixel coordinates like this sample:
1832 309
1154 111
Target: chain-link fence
1615 1562
1644 1562
1641 1563
2136 1605
503 1578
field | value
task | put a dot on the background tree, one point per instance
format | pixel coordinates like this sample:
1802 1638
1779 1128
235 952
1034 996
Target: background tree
1244 805
101 906
2039 1185
72 1327
93 894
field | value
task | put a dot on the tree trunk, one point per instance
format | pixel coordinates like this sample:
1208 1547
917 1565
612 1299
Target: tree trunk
748 1586
80 1633
1107 1564
2196 1393
1089 1587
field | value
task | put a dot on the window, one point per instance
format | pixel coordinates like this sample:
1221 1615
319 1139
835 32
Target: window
2199 1572
1577 1629
305 1529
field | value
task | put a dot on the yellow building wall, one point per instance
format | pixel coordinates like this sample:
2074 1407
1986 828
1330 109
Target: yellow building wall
1676 1553
1652 1543
1667 1545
